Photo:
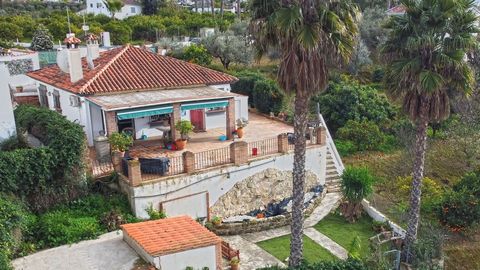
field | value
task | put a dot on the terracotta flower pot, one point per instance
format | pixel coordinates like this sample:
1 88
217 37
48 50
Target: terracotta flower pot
19 89
260 215
240 132
234 267
181 144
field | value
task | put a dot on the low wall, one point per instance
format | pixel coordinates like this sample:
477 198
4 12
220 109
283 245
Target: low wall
216 181
262 224
378 216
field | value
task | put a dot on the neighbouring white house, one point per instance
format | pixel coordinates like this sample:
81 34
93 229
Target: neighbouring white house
175 243
130 8
14 64
129 89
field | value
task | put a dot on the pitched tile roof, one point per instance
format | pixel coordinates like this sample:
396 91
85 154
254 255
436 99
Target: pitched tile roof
132 69
170 235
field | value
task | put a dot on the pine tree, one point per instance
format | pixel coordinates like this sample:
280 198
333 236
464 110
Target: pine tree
42 39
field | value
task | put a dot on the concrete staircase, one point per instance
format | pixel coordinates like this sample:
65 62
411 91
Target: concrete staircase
332 178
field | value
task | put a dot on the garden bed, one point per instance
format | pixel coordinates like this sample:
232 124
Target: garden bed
260 224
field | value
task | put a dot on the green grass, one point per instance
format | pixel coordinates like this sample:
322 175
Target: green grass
341 231
280 248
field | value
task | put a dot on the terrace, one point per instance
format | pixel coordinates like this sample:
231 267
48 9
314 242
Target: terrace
263 137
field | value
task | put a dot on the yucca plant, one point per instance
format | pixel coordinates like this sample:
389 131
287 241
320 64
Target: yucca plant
356 185
426 63
311 36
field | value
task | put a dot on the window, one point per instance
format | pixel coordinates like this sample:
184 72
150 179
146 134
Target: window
56 101
43 98
133 10
99 5
91 5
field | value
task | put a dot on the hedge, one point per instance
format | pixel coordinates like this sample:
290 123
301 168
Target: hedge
349 264
47 175
268 97
246 83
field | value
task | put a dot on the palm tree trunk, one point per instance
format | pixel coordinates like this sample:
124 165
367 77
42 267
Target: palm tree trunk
196 6
212 4
239 12
222 6
416 194
299 127
203 6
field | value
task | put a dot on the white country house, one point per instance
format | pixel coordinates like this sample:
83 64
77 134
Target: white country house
130 8
134 90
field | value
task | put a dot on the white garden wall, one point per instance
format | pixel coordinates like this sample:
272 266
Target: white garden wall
216 181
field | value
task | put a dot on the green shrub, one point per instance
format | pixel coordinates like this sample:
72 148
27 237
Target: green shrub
349 264
365 135
460 208
13 142
120 141
246 83
349 100
15 223
345 148
197 54
357 184
48 175
268 97
154 214
432 192
59 227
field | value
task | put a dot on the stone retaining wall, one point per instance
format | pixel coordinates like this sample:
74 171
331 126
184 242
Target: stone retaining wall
258 190
262 224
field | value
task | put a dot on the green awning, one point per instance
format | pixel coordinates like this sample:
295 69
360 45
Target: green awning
142 112
204 105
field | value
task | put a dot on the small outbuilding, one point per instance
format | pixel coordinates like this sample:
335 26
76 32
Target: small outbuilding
175 243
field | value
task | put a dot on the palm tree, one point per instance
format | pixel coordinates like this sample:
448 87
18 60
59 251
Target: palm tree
311 35
113 6
426 57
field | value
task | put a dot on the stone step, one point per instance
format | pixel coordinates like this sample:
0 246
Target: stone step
335 181
333 178
331 172
335 189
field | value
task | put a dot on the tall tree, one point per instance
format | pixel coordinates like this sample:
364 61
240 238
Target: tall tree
426 52
42 40
222 7
311 35
239 9
113 6
212 5
150 7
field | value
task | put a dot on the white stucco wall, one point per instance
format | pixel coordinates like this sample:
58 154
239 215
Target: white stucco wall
194 206
126 11
96 119
7 121
224 87
20 79
219 181
196 258
78 115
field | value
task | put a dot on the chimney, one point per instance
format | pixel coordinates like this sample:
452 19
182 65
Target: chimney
93 49
74 58
106 39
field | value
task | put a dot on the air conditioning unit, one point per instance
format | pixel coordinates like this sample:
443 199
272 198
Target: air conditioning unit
75 101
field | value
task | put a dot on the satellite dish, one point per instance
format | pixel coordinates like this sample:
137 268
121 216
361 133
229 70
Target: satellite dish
62 61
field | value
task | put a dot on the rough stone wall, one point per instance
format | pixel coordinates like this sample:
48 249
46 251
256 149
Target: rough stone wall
257 191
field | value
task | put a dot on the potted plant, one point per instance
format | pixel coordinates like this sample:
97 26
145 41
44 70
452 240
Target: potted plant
234 263
19 89
241 123
120 142
216 220
184 127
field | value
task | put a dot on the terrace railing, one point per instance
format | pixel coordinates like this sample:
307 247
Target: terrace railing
212 158
237 153
263 148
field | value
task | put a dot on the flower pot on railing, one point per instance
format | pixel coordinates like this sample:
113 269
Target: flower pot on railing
19 89
240 132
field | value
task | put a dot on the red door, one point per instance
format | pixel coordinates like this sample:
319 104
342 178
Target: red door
197 117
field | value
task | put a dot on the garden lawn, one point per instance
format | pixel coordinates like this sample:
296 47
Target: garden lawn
341 231
280 248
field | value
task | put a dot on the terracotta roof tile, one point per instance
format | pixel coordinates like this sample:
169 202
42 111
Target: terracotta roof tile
132 69
170 235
